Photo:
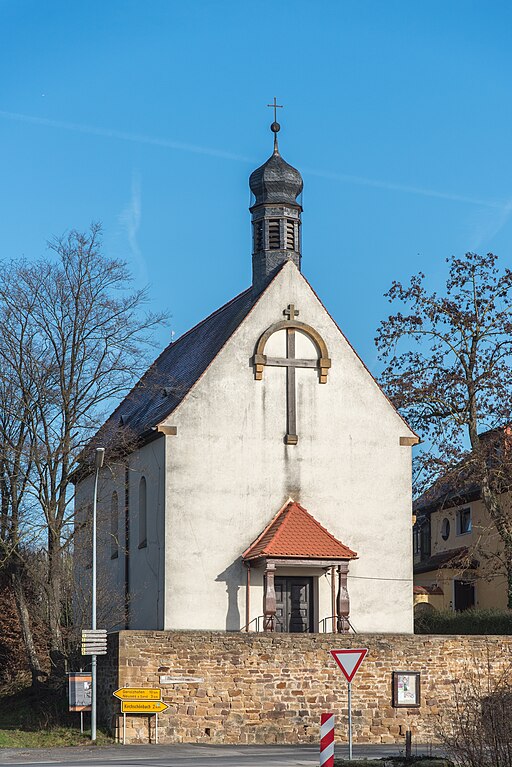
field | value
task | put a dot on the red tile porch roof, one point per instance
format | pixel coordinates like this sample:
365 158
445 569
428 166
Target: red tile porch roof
294 533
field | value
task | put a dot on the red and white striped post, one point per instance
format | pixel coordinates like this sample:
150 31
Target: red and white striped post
327 740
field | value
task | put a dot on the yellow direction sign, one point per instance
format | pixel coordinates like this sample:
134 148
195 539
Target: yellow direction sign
138 693
143 706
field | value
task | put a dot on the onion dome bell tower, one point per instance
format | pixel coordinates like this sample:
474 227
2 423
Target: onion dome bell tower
276 189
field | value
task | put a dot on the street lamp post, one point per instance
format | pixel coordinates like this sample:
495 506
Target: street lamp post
100 455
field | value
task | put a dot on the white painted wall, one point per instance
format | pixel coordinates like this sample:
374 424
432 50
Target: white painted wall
229 472
146 565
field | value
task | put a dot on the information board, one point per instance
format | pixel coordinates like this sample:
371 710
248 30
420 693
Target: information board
80 691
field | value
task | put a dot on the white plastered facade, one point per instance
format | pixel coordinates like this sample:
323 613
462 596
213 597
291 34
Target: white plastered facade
215 484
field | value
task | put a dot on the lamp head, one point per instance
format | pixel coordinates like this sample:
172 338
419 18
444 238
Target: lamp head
100 455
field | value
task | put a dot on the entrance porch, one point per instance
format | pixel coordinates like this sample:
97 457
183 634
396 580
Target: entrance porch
294 553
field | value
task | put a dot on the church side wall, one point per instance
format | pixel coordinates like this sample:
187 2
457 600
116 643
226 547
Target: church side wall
265 688
110 569
117 549
147 559
229 472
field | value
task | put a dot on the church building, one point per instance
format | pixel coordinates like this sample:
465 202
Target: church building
257 478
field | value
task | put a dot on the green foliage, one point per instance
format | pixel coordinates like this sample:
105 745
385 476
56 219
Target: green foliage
398 761
472 621
39 718
53 738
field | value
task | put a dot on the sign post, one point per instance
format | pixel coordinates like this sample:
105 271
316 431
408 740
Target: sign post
141 700
327 740
80 693
349 662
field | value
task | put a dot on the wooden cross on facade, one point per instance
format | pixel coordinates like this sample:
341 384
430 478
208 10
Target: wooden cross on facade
291 363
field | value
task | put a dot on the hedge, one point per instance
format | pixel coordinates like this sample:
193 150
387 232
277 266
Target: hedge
472 621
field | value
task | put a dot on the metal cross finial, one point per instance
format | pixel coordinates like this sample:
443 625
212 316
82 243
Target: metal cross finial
275 127
276 107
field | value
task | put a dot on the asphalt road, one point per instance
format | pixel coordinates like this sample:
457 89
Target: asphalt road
186 755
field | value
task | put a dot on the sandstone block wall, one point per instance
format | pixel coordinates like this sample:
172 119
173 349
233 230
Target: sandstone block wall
263 688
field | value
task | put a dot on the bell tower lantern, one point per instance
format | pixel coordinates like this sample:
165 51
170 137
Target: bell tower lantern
275 208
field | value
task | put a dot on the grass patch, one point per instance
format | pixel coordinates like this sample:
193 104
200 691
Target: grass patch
39 718
57 736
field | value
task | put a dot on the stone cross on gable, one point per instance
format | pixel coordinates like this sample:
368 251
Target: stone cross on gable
291 362
291 312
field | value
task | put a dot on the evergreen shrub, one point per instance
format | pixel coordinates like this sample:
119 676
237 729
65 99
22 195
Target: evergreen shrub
474 621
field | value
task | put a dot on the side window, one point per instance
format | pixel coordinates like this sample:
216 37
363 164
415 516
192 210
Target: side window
85 537
114 526
416 540
463 521
143 519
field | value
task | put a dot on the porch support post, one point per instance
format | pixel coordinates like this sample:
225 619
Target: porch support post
269 598
342 600
333 599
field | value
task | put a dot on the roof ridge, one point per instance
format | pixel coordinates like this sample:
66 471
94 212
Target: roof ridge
268 526
205 319
283 524
318 524
356 353
172 344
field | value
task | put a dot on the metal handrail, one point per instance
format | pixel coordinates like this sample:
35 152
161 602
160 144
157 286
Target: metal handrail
257 619
330 618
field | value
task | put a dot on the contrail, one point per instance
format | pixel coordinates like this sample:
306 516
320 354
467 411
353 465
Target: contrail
141 138
405 188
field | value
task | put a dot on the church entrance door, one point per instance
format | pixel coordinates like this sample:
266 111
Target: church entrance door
294 604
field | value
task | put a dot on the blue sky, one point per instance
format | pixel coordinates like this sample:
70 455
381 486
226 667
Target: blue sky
150 116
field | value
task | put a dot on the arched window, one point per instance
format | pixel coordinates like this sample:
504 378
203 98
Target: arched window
114 526
143 519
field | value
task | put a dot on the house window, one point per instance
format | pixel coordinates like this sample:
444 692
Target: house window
143 520
425 543
445 529
416 540
114 526
421 538
463 521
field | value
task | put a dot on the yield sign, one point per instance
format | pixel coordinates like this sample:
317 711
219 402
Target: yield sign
349 661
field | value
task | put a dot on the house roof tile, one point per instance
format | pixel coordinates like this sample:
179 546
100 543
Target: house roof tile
294 533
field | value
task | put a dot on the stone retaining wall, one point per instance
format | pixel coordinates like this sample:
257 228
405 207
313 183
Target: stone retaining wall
272 688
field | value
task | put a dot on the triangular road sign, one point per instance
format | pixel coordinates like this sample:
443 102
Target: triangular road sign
349 661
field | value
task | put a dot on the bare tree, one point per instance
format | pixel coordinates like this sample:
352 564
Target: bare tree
477 731
73 341
449 371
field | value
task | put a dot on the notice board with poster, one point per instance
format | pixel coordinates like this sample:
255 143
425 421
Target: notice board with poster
406 689
80 691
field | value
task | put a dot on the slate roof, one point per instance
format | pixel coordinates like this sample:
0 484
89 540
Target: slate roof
460 486
176 370
451 559
294 533
275 182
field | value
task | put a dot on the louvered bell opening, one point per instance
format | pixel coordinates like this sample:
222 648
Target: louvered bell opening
258 236
274 242
290 235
